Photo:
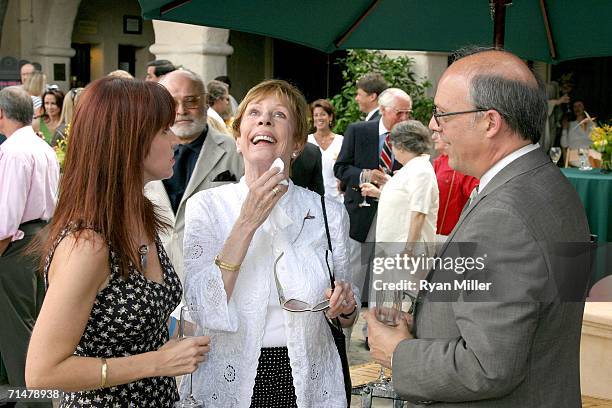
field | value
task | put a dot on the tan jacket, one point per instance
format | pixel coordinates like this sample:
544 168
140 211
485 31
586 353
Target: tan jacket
218 155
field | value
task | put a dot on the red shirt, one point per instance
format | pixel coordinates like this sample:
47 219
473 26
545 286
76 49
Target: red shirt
455 189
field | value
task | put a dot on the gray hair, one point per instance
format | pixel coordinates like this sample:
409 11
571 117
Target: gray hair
386 98
189 74
16 104
523 106
216 90
411 136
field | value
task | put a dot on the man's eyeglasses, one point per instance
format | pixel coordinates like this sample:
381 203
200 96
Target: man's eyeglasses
190 102
438 115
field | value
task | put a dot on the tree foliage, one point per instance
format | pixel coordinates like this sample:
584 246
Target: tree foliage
397 72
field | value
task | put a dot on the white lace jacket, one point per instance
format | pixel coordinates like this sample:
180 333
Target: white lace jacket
227 377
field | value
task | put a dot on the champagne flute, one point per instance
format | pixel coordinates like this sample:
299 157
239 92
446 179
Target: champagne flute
584 159
364 177
192 317
388 311
555 154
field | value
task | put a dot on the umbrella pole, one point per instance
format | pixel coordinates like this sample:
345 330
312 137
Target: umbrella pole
499 21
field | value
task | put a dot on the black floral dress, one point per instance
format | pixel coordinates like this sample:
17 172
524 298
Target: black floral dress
128 317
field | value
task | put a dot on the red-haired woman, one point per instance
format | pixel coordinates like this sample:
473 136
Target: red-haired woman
101 335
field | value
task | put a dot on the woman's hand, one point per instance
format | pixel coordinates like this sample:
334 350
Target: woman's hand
341 301
182 356
263 195
369 190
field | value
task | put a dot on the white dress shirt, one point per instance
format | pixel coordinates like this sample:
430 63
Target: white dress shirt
29 177
238 328
499 166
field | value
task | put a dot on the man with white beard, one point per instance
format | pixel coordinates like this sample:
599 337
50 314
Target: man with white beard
204 158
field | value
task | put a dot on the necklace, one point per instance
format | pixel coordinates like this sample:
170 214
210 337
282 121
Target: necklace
143 250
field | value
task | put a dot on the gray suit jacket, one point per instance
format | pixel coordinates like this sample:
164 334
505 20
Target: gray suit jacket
502 353
217 156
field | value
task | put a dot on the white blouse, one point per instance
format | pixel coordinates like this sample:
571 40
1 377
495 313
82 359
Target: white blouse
328 159
237 327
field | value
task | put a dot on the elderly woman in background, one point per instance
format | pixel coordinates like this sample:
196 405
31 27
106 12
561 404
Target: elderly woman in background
50 120
255 258
328 142
218 102
408 205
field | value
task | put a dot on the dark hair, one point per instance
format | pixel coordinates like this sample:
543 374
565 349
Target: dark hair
162 67
128 114
225 79
17 105
522 106
59 99
323 104
412 136
372 83
216 90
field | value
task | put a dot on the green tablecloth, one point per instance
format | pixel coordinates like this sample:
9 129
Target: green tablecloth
595 191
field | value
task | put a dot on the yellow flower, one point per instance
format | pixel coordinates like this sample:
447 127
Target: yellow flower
602 138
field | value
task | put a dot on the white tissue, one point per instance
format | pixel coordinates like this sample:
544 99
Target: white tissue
281 165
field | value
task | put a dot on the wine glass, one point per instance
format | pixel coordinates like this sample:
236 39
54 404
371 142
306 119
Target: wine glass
192 317
388 310
584 159
555 154
364 177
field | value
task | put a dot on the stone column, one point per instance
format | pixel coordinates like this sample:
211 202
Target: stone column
203 50
46 36
48 56
427 66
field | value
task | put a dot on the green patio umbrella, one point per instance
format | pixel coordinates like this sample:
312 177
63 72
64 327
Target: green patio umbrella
540 30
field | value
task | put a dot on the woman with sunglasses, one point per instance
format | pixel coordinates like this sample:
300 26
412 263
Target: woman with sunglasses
255 258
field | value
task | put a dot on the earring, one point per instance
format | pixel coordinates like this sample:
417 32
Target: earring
331 124
294 155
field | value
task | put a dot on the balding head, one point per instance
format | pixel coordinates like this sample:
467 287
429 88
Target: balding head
26 71
499 80
16 105
183 76
495 62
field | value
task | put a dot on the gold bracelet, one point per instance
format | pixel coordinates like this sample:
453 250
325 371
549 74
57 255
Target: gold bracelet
104 370
226 266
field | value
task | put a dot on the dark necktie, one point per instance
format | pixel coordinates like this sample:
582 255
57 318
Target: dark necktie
386 161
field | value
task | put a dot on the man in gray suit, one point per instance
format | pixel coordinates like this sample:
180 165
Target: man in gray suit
520 347
204 159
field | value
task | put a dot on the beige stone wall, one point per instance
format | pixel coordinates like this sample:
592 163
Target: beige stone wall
11 40
102 26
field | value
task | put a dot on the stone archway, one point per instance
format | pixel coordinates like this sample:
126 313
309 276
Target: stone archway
47 39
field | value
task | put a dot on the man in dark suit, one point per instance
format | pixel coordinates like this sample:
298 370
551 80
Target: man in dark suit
369 88
306 170
517 343
361 151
